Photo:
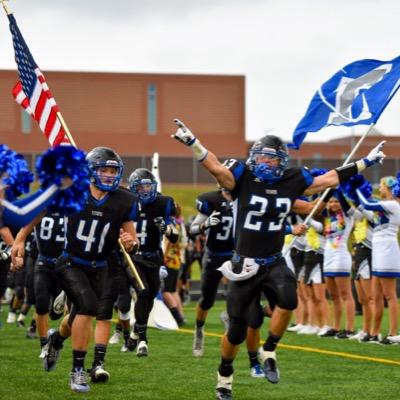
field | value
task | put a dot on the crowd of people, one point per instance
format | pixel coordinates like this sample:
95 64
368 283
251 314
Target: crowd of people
76 266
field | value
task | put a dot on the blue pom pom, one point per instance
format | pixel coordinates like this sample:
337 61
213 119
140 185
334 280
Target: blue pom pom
318 171
356 182
60 162
17 176
396 186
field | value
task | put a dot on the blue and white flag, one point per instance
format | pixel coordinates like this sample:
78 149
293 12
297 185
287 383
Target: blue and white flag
357 94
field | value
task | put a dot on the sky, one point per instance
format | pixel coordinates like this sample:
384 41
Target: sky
285 49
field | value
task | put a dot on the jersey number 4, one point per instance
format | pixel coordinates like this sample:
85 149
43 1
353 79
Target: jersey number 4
254 218
91 238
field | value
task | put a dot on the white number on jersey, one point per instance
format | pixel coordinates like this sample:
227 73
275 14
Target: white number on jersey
253 218
46 229
226 225
91 238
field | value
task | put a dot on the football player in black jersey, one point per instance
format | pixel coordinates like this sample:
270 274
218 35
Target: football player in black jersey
50 241
215 219
265 190
90 236
155 220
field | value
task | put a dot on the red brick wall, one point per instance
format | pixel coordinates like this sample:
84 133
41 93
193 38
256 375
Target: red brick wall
111 110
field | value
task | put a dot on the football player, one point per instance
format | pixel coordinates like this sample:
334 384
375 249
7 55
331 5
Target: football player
265 190
155 220
90 236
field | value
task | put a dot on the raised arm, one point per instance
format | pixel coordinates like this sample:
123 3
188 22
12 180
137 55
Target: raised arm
339 175
222 174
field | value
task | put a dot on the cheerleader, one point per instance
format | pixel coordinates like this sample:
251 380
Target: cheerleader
337 226
385 255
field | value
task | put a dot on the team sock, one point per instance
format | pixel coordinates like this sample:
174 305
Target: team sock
99 353
271 342
225 367
253 358
78 359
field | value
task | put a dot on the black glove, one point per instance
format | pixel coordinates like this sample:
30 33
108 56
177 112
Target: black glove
161 225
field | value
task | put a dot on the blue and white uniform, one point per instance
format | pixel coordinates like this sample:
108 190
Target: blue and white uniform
385 247
337 229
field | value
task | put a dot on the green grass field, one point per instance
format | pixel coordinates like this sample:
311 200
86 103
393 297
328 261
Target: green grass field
312 368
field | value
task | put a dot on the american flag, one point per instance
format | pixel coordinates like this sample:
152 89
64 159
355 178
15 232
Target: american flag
32 92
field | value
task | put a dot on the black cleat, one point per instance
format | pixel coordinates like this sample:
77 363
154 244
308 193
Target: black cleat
98 374
270 365
223 394
51 353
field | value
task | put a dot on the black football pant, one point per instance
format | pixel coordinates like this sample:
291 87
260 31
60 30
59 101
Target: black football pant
210 279
46 286
275 280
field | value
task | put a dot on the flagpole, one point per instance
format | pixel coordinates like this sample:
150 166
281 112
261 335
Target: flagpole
321 199
59 116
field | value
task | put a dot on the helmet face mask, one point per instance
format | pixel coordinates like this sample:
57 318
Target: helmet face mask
268 158
106 168
143 183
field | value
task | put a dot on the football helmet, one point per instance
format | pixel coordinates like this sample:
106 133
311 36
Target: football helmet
272 147
143 183
104 157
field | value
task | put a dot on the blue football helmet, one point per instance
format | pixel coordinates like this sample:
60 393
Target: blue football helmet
269 146
143 183
104 157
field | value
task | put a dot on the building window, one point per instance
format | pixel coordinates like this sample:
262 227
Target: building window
152 109
26 122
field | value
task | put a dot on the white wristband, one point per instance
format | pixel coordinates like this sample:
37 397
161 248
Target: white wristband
200 152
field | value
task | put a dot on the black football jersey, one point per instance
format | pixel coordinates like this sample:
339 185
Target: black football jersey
219 237
50 235
92 234
261 208
146 229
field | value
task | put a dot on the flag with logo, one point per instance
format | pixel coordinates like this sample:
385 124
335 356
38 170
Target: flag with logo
32 92
357 94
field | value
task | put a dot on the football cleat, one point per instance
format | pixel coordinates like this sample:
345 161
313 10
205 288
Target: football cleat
224 387
142 349
198 342
78 381
223 394
257 371
131 343
52 354
115 338
269 364
99 374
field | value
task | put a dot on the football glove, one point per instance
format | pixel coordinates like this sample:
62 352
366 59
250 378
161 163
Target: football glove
213 220
186 137
161 225
375 155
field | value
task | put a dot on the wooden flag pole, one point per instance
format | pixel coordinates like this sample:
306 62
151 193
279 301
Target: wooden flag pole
321 199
